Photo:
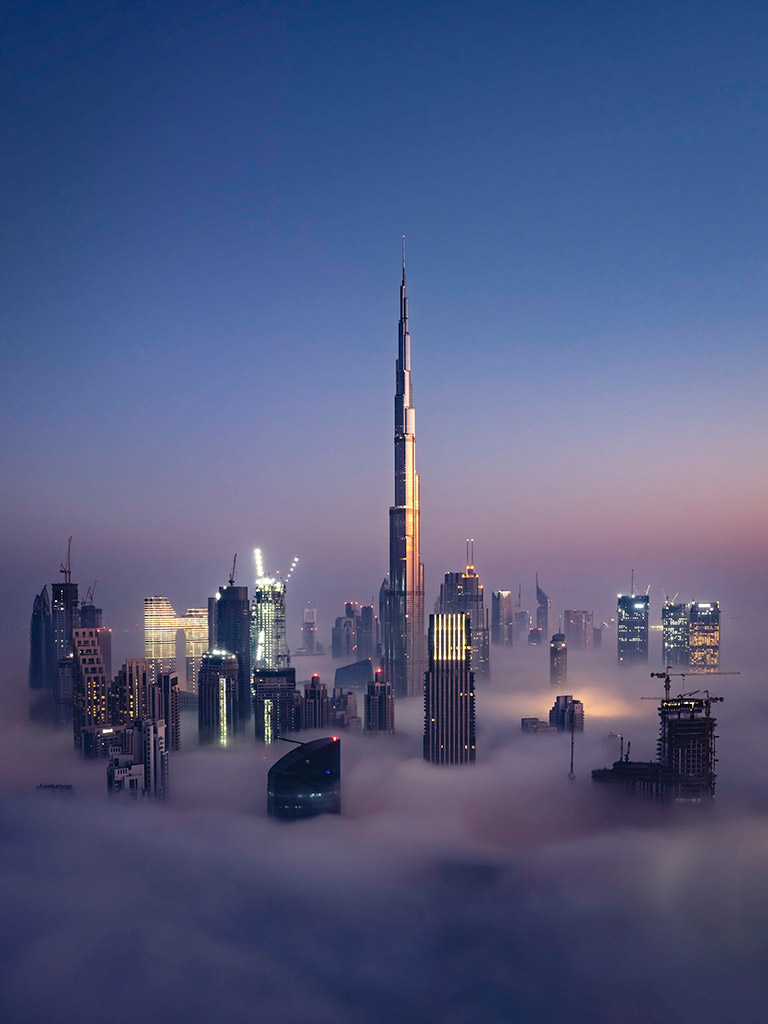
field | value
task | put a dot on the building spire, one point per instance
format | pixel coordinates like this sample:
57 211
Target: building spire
403 259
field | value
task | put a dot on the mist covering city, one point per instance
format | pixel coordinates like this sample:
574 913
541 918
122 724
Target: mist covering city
236 234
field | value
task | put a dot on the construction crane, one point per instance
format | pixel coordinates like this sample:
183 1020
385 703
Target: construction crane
88 599
66 568
666 676
232 572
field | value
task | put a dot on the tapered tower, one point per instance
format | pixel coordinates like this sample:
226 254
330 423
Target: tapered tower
405 643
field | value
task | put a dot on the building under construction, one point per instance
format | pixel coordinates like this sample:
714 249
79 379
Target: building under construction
684 770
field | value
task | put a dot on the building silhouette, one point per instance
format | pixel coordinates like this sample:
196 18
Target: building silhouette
277 705
135 695
461 593
232 621
704 635
404 641
309 631
355 676
674 634
344 710
567 714
379 705
543 604
269 643
217 695
502 618
317 705
140 768
578 628
558 660
632 628
43 667
170 697
91 690
449 691
306 781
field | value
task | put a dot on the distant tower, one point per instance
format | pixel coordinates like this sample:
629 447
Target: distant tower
137 696
543 604
687 745
309 630
161 624
269 644
317 705
567 714
141 771
674 634
276 707
65 618
449 692
306 781
379 705
168 684
558 660
579 629
42 661
233 634
462 593
704 635
91 686
404 649
502 618
632 621
217 691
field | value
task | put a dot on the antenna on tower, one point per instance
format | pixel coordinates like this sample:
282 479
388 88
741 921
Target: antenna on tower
632 587
66 568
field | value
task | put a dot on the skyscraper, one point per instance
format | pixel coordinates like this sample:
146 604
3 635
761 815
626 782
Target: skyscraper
91 686
65 618
567 713
543 604
687 745
404 636
462 593
161 624
269 644
233 634
141 770
306 781
170 696
449 692
217 691
704 635
42 661
558 660
502 617
674 634
137 697
379 705
578 628
632 622
309 630
277 706
317 705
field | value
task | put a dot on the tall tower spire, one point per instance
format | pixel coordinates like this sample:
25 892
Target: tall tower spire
405 647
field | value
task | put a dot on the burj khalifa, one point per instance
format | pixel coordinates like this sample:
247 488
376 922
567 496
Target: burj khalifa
404 639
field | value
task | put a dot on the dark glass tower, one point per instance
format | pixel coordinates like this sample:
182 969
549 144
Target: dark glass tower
404 653
558 660
306 781
217 698
42 663
543 604
233 634
379 705
632 619
674 634
449 692
462 593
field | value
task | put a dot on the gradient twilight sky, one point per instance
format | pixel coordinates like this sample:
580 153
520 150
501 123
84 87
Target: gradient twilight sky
201 220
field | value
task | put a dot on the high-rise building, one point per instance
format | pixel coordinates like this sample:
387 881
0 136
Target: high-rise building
543 604
366 629
277 706
309 630
567 714
449 692
379 705
65 618
578 628
632 623
343 636
674 634
217 692
306 781
687 745
344 710
42 660
502 618
90 615
161 624
136 696
233 634
104 636
317 706
704 635
558 660
462 593
404 646
356 676
170 697
91 685
269 644
142 772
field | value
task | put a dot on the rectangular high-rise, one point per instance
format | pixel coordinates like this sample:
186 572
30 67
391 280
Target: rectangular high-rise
674 634
449 692
704 635
632 621
502 617
233 634
404 653
462 592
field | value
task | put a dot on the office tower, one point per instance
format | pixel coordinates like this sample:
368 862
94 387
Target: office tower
460 594
233 634
543 604
558 660
269 645
365 633
674 634
404 649
317 706
276 709
309 630
343 637
136 696
42 661
344 710
161 624
632 622
502 618
217 692
704 635
64 617
91 686
578 629
104 636
141 771
379 705
567 714
449 692
355 676
306 781
170 704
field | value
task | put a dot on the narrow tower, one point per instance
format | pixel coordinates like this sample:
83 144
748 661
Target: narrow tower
404 648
